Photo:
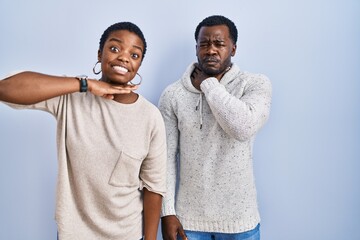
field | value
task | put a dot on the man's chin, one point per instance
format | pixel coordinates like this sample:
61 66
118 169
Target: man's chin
212 72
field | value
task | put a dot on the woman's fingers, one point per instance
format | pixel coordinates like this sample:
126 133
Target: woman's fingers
106 90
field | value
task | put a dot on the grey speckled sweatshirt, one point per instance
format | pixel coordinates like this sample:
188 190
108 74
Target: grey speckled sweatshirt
210 137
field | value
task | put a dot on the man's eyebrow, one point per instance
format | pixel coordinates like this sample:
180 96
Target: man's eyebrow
215 40
120 41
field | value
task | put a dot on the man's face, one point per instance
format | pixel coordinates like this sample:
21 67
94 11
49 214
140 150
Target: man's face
214 49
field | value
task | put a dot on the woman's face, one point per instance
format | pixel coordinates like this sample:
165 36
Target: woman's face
121 57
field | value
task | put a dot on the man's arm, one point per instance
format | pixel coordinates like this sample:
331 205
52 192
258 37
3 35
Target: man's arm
170 224
31 87
240 117
172 134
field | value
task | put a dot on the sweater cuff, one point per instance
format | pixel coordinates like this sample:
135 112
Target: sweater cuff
208 84
166 211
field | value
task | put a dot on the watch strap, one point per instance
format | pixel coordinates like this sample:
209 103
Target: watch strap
83 83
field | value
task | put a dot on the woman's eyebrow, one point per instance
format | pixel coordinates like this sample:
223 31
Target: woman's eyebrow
120 41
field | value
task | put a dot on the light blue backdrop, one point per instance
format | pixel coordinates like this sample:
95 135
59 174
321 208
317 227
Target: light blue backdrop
307 157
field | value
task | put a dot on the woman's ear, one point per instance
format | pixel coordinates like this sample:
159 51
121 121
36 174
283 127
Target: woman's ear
99 55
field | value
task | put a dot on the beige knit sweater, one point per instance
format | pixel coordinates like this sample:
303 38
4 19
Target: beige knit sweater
107 152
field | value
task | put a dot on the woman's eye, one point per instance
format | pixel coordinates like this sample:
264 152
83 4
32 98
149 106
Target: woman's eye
135 55
114 49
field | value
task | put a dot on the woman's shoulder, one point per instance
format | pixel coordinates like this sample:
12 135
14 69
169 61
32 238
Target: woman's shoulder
146 105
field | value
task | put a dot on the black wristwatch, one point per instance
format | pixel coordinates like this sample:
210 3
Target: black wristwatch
83 82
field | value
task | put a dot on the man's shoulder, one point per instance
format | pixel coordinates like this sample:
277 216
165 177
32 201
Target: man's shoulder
249 76
179 85
253 80
173 88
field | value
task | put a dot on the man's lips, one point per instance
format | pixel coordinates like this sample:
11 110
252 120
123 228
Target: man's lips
211 60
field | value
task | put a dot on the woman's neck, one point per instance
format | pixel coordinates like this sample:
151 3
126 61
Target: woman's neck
126 98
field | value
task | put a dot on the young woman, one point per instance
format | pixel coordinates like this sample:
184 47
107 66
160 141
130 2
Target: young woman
111 142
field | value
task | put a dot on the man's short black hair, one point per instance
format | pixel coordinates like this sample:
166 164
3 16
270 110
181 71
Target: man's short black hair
218 20
122 26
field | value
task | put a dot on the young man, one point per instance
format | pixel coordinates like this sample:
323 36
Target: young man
212 115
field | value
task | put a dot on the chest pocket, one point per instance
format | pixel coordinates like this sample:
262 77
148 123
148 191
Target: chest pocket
126 171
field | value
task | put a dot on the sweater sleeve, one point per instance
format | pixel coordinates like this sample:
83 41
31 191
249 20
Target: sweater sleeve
170 119
50 105
240 117
153 169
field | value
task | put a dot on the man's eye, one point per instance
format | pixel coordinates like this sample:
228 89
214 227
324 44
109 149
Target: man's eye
114 49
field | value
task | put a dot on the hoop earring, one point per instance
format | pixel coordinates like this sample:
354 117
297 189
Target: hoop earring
94 68
134 84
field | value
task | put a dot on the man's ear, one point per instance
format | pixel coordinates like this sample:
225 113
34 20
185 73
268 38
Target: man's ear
233 50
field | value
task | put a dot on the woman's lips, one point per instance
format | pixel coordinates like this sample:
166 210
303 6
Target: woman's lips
121 70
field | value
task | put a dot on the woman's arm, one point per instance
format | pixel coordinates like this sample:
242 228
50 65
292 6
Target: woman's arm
152 207
31 87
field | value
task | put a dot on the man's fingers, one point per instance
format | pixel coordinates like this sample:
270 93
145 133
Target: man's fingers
182 234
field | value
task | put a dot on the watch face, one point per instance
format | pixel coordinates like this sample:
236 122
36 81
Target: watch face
82 76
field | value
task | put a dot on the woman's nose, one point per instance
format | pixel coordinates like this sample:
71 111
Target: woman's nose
123 57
